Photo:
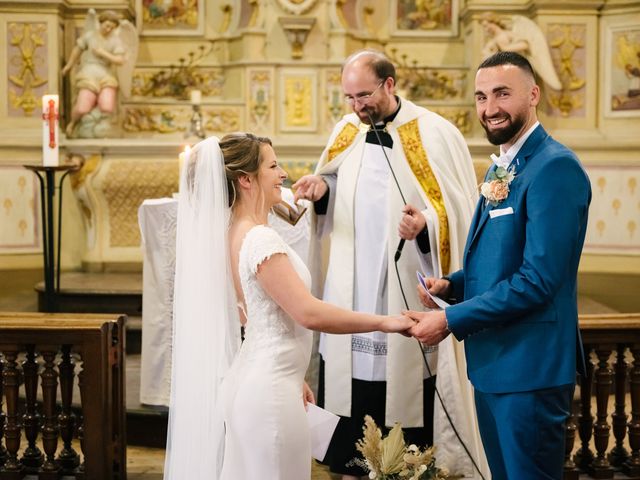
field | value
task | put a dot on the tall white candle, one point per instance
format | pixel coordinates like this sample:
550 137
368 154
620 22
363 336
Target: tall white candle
196 97
50 130
182 158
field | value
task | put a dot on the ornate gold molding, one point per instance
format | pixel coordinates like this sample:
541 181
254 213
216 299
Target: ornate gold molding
260 100
27 63
367 14
334 103
171 119
297 169
298 97
425 83
149 83
227 10
460 117
255 12
567 42
296 30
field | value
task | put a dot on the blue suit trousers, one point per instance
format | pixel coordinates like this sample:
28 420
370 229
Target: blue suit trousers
523 433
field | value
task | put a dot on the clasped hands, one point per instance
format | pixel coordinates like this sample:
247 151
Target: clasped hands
430 328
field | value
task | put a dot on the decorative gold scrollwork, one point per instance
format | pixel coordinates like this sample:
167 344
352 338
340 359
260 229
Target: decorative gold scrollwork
178 81
157 84
566 41
460 117
27 38
167 120
425 83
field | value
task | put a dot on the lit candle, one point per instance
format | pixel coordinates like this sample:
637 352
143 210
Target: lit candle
196 97
183 157
50 130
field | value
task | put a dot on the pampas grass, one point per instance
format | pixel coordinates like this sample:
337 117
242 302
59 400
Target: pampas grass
389 458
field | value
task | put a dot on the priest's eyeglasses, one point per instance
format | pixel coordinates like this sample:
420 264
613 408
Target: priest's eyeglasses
362 99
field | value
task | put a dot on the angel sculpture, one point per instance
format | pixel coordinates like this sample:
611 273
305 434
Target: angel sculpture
107 52
525 38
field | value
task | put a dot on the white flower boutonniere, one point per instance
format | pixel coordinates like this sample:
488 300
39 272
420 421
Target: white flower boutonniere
496 189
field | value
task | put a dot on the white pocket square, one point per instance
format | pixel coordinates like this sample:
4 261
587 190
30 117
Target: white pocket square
498 212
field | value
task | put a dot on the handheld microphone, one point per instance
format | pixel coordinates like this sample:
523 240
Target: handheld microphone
398 253
396 256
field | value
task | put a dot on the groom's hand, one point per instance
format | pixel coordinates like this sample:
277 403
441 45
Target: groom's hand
430 328
440 287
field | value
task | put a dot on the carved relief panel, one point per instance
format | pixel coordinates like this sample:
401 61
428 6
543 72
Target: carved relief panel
298 100
27 67
259 100
333 105
567 43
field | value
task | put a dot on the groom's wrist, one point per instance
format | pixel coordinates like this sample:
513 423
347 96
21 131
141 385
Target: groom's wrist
446 321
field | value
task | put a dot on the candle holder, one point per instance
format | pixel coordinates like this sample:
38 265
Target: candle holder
196 127
51 262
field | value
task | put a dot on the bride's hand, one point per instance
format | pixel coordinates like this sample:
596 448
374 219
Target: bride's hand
397 324
307 395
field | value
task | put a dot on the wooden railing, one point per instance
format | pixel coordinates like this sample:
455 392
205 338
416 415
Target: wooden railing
47 350
605 445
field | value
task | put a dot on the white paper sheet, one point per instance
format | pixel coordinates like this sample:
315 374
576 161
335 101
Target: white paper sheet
322 424
438 301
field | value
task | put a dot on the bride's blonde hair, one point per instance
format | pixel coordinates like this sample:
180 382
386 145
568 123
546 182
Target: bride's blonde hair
241 153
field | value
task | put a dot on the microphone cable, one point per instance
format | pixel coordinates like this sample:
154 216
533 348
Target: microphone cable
404 298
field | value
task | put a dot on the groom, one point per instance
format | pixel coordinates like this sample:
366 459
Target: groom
517 288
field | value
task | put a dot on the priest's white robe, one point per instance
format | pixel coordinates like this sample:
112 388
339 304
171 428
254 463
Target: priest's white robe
434 169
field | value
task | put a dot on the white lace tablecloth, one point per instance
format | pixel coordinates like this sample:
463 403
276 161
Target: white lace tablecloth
157 220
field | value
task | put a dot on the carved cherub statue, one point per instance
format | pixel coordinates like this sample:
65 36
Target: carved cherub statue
523 36
107 51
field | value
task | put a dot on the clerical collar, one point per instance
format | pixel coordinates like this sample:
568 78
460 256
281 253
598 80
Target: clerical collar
388 119
380 129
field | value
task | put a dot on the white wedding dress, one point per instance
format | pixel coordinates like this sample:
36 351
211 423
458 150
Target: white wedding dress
267 434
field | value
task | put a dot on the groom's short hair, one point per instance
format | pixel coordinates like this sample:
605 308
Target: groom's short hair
508 58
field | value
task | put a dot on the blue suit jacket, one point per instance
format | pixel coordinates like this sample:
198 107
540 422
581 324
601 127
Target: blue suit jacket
518 281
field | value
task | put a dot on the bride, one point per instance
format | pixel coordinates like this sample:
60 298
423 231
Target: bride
237 412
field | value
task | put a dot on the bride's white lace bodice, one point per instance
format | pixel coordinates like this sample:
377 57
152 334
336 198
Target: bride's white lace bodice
266 321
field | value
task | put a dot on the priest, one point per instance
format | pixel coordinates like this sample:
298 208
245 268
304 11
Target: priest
392 172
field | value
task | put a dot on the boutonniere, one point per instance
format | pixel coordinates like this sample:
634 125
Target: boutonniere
496 189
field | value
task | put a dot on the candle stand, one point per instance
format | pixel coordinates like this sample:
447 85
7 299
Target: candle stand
47 178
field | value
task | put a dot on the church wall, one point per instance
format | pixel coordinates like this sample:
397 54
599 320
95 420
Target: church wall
259 72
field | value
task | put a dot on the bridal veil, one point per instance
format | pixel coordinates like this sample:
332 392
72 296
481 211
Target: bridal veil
206 327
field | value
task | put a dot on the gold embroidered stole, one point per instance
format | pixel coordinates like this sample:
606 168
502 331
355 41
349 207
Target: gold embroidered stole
342 141
419 163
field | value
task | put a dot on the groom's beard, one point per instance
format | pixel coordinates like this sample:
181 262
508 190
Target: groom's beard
504 134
